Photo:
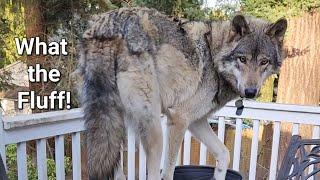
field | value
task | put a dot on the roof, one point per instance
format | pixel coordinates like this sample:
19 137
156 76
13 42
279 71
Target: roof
18 72
13 92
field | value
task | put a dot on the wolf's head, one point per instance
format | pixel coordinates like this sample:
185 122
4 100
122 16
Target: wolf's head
251 51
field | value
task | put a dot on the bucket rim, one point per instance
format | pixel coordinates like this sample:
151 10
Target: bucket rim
186 167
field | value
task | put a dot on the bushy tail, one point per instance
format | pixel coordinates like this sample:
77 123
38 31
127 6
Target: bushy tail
102 112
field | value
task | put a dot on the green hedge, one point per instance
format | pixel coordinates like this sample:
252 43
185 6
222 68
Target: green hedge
11 155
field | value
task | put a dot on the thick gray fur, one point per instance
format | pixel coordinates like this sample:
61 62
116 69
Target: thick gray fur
137 63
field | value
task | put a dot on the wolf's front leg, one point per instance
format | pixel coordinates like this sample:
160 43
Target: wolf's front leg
202 130
176 128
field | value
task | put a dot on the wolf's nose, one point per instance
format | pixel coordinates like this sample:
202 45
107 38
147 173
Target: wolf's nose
250 92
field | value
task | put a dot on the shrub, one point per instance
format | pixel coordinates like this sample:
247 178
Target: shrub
11 155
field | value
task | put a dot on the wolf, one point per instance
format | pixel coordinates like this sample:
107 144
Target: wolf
137 63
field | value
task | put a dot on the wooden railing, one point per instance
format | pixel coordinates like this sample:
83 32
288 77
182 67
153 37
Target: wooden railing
20 129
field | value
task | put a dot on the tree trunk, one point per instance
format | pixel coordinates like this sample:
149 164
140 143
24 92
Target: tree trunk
35 27
299 81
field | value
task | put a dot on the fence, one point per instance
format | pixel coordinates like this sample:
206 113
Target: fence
20 129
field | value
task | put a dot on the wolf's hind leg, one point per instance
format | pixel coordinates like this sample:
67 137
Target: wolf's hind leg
139 94
201 130
152 144
145 119
175 132
119 175
147 124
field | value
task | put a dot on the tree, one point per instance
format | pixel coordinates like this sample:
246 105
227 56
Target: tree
35 27
11 26
273 10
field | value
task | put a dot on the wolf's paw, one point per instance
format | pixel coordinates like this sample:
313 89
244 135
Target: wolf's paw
165 176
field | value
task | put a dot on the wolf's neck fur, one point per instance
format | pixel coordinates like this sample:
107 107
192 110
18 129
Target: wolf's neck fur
224 91
213 82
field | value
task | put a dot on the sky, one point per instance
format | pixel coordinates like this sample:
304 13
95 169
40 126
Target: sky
213 3
210 3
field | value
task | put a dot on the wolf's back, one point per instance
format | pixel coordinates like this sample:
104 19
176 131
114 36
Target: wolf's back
133 25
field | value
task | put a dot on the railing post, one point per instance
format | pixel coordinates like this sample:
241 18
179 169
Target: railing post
2 143
164 140
76 156
254 150
186 148
42 159
142 163
131 154
237 145
59 153
22 160
275 150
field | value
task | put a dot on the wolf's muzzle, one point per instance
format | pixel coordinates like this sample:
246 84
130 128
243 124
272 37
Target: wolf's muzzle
250 92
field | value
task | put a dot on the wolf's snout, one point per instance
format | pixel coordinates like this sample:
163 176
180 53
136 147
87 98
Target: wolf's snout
250 92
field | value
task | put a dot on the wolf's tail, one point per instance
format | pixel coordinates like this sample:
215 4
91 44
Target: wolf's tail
105 130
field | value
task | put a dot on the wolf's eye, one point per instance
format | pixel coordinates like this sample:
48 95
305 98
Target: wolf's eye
264 62
242 59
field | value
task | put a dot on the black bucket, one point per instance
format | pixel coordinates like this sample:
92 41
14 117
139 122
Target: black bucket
201 173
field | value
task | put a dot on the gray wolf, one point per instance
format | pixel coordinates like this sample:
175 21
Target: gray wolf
137 63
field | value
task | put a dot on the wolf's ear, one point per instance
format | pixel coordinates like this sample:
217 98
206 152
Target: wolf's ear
239 27
278 29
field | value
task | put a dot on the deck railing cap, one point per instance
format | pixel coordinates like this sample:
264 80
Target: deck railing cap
41 118
277 106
